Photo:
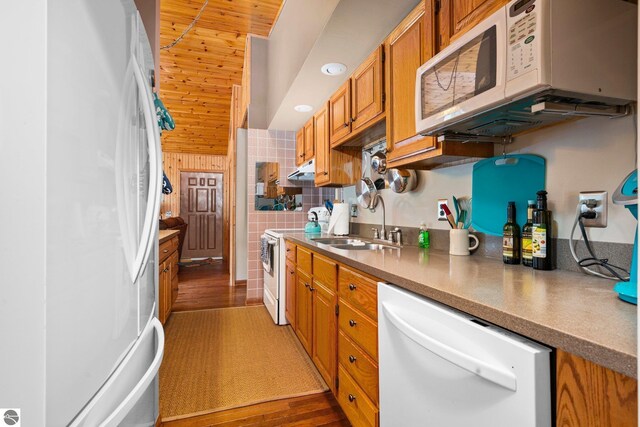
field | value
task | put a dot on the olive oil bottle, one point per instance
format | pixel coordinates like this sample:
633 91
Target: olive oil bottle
541 233
511 237
527 256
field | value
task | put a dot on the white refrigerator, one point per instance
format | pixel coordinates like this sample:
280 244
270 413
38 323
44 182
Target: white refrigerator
80 166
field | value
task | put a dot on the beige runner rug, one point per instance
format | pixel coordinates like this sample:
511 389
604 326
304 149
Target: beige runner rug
231 357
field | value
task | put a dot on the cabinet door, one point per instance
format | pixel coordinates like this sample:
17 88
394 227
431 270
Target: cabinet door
304 319
405 53
300 146
325 329
173 274
322 146
367 90
458 16
162 302
309 141
290 283
340 113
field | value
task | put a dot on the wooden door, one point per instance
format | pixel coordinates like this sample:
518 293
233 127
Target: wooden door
309 141
300 146
323 147
290 283
201 208
458 16
367 90
325 329
304 319
405 53
340 113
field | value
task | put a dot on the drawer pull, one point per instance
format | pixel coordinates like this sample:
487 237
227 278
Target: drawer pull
291 272
165 251
306 285
288 249
352 323
351 398
311 288
352 287
352 358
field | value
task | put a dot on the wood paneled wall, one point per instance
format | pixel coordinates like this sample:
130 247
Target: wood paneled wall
176 162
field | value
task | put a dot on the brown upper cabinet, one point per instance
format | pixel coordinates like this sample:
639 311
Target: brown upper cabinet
300 146
359 102
408 47
333 167
455 17
305 144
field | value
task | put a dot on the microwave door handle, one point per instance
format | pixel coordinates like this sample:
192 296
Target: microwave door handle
155 173
478 367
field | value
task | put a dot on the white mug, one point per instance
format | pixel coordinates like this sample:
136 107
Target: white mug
459 241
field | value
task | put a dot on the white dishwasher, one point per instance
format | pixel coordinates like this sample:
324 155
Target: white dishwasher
444 368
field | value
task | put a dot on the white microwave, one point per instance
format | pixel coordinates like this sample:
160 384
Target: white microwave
531 63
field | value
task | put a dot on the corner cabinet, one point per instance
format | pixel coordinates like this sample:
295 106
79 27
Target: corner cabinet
359 103
333 167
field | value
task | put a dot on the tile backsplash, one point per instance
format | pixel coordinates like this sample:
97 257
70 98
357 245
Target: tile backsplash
273 146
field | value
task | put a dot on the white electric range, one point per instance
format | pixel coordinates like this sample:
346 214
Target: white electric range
274 293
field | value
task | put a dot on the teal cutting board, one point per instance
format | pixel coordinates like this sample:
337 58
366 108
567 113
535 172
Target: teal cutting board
499 180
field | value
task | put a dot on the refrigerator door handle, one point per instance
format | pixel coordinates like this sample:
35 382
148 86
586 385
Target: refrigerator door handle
155 171
469 363
101 398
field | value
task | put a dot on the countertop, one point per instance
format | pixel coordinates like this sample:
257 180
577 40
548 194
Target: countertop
165 235
572 311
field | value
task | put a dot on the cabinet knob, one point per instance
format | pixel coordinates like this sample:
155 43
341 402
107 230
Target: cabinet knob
306 285
351 398
291 272
352 120
352 358
325 173
301 155
165 251
311 288
288 249
352 323
352 287
346 125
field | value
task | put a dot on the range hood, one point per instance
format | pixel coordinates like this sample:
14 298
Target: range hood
305 172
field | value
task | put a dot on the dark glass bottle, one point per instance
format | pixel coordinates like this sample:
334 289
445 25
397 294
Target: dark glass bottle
541 233
527 257
511 237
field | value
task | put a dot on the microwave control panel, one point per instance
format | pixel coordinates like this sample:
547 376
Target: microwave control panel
521 42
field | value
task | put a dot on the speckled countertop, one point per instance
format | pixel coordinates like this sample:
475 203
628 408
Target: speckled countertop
571 311
165 235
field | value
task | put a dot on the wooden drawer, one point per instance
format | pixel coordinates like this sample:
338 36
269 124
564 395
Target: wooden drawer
290 250
359 291
359 328
361 367
325 271
354 402
303 258
167 248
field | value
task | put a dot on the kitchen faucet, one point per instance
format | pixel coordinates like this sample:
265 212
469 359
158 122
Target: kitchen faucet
383 234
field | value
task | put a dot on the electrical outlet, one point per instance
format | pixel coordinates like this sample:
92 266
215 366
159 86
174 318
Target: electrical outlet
594 201
441 215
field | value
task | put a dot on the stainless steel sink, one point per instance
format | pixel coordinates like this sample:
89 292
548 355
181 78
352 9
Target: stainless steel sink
365 247
355 244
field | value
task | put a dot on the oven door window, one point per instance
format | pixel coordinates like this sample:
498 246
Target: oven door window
466 73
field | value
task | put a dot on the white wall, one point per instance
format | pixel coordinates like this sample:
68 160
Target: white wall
241 204
589 154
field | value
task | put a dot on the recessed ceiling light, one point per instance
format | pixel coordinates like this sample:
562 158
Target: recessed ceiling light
333 69
303 108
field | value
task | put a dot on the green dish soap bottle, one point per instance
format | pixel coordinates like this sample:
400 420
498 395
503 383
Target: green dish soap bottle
423 236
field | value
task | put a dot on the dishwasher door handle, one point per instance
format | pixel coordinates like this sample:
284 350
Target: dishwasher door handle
469 363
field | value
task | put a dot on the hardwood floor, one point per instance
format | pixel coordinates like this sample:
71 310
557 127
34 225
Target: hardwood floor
314 410
207 286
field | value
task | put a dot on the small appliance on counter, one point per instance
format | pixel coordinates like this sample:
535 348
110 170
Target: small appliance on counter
627 195
339 224
321 216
